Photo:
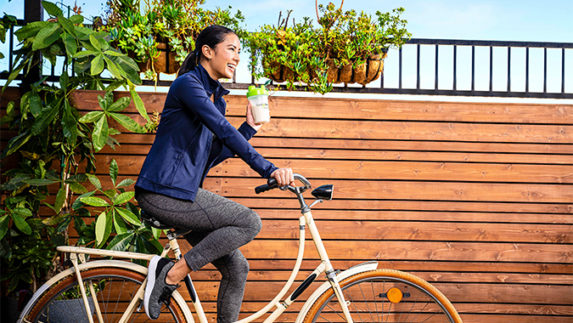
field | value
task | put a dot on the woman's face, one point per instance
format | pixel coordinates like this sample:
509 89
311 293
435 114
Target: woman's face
221 61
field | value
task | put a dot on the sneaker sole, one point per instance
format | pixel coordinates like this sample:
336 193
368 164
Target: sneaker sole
150 283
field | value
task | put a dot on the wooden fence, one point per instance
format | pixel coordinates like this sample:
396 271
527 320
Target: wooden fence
476 198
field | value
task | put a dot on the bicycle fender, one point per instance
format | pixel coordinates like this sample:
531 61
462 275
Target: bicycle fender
363 267
89 265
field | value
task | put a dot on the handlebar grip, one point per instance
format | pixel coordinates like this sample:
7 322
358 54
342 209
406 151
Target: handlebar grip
272 183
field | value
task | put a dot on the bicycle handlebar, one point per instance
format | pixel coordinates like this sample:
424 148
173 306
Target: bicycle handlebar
272 184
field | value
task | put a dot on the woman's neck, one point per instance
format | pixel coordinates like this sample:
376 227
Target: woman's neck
209 70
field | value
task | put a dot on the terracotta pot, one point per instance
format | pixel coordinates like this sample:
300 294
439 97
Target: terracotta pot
363 74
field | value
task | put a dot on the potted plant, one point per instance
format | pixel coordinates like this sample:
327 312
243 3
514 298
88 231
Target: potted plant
52 157
160 34
347 47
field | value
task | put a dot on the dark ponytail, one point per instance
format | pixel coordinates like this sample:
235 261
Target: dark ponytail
210 36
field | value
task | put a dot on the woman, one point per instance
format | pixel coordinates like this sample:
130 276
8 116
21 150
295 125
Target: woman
192 137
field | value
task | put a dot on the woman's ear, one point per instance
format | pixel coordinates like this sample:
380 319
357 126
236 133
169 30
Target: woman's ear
207 52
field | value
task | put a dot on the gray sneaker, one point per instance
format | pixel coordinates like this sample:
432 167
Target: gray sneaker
157 291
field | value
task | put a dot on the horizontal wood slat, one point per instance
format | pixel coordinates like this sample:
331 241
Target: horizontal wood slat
476 198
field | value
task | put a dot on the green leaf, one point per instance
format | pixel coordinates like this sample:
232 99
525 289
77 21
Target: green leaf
127 122
67 25
94 180
21 224
100 227
46 117
54 220
113 53
139 104
70 44
94 201
119 225
4 222
123 198
31 29
52 9
35 104
120 104
85 53
60 199
95 43
128 216
77 19
121 242
14 74
97 65
70 123
100 133
40 181
22 212
126 182
113 171
16 143
129 67
78 205
156 232
111 193
78 188
91 116
115 71
46 37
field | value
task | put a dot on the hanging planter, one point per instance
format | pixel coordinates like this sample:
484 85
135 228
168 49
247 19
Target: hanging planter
159 34
165 61
347 47
363 73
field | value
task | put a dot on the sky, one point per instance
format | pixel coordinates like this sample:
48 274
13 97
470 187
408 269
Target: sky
506 20
518 20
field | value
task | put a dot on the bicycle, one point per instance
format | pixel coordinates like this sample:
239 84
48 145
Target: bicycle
112 290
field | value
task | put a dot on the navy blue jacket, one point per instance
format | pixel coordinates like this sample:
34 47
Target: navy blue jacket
194 136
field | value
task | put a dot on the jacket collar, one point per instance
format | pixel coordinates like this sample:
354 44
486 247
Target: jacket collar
211 85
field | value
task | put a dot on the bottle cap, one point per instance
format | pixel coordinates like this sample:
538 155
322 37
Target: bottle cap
253 90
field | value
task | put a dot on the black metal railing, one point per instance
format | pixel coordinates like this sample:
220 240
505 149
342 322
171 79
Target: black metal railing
437 71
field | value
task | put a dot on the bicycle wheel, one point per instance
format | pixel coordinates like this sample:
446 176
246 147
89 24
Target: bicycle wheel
114 288
384 295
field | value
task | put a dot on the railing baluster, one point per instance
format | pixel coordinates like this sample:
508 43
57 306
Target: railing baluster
562 70
526 69
473 67
508 69
436 68
490 68
455 65
400 68
418 66
545 70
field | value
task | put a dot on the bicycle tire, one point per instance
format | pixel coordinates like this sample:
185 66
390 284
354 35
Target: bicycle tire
384 295
114 290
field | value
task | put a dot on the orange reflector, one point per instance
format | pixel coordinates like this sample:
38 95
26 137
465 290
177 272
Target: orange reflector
394 295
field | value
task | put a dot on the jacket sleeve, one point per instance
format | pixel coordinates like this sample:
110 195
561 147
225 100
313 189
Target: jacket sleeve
247 131
194 97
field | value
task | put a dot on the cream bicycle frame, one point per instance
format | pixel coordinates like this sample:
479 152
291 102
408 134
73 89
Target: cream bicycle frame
305 220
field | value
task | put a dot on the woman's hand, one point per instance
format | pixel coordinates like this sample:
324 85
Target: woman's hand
284 177
251 119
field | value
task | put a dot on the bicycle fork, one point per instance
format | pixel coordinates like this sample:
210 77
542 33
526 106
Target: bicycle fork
330 273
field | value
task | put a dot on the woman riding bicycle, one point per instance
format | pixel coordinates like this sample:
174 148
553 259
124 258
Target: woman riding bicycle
192 137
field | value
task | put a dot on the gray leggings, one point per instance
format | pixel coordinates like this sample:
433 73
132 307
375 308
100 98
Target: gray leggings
220 226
